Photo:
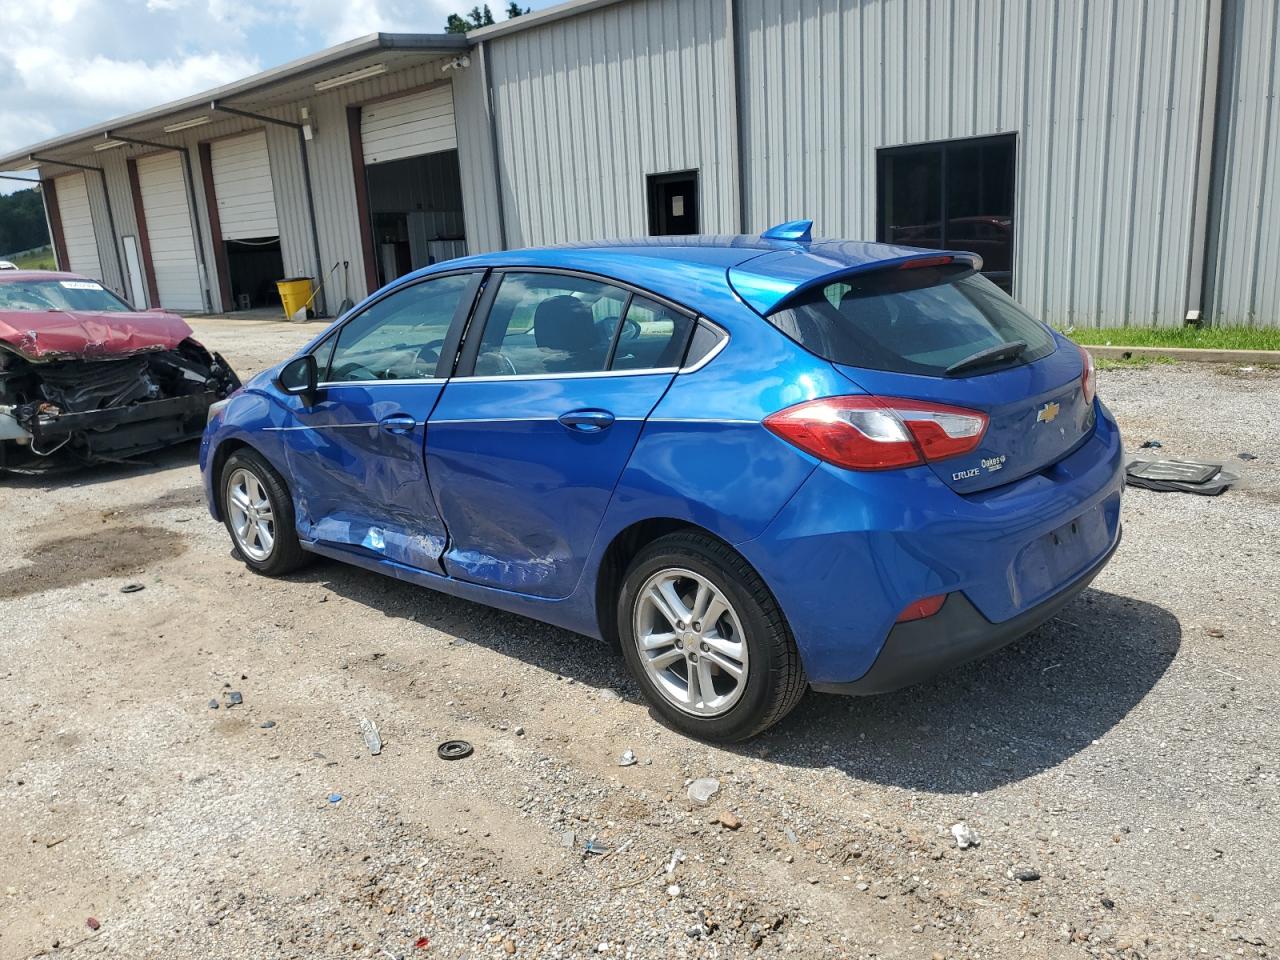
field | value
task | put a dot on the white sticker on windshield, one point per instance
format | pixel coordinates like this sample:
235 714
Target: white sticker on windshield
80 284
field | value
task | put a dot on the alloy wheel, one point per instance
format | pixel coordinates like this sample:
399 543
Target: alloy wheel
252 520
691 642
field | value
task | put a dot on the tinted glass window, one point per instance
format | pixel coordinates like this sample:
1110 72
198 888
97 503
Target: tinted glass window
400 336
543 323
653 337
911 321
41 295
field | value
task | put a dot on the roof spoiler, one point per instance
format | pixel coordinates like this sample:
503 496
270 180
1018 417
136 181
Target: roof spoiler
765 282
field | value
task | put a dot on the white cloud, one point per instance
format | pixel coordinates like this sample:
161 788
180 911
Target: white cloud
68 64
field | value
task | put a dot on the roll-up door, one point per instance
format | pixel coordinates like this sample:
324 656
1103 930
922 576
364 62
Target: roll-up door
77 225
409 126
168 215
242 183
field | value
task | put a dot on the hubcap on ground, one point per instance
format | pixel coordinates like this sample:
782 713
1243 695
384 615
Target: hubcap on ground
690 642
249 508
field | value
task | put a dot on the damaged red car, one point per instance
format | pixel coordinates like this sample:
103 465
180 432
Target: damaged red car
85 378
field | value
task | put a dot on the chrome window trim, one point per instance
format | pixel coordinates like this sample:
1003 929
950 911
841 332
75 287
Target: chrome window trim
408 381
591 374
714 352
434 421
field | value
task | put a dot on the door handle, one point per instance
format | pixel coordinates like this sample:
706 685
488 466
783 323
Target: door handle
398 423
587 421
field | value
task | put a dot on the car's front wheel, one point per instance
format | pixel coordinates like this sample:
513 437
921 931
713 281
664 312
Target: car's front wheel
258 512
706 641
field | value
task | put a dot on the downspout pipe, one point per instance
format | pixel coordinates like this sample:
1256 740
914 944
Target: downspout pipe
111 218
191 198
1198 265
216 105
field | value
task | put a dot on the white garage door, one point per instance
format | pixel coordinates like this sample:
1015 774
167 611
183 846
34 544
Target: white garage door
173 251
77 225
242 184
409 126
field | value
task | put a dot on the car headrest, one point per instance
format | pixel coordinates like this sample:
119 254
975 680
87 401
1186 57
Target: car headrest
565 323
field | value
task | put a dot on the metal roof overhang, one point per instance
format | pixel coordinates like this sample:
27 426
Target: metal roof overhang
288 83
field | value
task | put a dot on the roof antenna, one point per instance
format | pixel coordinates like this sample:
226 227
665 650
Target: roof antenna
800 231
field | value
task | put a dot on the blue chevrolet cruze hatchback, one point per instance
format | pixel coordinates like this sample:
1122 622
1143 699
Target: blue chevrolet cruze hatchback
755 464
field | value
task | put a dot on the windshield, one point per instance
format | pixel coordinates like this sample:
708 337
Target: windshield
75 295
920 321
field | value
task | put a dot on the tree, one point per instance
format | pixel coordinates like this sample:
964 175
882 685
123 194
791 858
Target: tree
475 18
22 224
514 10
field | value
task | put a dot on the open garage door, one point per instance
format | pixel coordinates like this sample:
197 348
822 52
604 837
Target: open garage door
77 225
168 216
410 147
241 168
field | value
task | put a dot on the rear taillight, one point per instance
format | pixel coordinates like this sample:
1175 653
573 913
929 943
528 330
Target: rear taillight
878 433
1088 382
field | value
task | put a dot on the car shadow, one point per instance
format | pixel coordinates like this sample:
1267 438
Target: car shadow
62 476
1009 716
1021 711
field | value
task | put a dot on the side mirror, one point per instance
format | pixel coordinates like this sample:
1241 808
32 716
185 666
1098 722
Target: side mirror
299 377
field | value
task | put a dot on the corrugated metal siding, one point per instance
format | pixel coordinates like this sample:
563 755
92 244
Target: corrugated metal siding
588 106
475 158
1244 281
77 225
168 213
116 168
409 126
1103 95
243 187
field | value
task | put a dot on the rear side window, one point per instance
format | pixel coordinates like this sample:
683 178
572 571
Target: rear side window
920 321
652 337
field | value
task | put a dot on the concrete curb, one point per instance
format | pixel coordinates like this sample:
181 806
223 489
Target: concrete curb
1245 357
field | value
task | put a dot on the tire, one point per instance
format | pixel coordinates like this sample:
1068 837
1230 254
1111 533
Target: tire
752 624
284 554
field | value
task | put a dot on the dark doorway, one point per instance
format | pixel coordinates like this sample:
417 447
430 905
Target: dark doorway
416 208
673 204
254 266
955 195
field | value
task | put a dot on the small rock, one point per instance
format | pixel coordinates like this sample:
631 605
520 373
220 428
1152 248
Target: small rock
864 887
790 835
1108 903
267 724
213 704
1214 631
612 696
673 890
694 932
234 697
965 837
1243 455
1025 874
729 821
131 588
518 731
509 947
92 923
568 839
627 759
701 791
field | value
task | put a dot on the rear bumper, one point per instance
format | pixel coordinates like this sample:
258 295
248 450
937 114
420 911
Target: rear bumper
955 635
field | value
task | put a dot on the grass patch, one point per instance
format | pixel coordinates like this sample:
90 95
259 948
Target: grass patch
39 260
1131 363
1209 338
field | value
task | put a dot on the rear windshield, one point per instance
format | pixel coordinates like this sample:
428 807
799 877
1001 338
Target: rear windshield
42 295
920 321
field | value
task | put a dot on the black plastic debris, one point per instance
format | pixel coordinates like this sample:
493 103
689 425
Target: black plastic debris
1181 476
454 750
132 588
1151 445
1245 455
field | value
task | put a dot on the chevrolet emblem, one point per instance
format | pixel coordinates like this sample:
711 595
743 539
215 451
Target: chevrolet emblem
1048 413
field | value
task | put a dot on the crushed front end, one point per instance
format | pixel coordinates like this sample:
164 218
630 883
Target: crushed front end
67 410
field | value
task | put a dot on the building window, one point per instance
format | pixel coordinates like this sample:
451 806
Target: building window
956 195
673 204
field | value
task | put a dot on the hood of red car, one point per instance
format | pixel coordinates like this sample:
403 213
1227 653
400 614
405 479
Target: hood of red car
55 335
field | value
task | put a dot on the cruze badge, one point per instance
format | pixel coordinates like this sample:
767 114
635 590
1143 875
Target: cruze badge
1048 413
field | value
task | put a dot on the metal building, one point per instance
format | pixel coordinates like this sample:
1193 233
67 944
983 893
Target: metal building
1114 161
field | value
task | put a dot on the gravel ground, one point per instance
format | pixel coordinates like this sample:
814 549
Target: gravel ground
1124 756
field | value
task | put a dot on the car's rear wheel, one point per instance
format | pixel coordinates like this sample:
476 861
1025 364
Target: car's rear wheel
258 512
706 641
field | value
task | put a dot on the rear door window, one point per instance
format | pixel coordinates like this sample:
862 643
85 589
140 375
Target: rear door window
653 337
920 321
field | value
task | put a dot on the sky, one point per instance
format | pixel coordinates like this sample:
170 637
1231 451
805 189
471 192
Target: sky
67 64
